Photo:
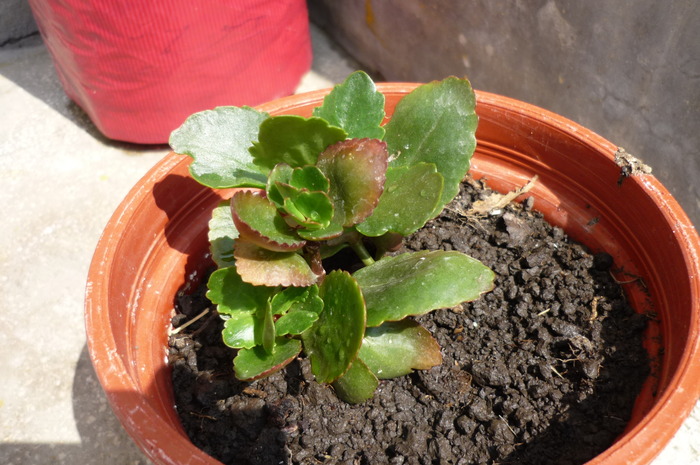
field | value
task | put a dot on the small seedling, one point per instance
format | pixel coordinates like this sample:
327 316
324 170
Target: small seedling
315 186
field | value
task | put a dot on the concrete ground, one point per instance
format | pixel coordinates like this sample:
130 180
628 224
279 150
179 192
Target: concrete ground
61 181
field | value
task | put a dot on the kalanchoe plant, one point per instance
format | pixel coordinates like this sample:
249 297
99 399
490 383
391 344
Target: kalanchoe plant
315 186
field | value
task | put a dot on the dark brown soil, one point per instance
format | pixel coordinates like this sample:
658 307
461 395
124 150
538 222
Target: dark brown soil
542 370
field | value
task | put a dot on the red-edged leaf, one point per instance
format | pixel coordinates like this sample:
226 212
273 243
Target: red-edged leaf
356 169
256 363
262 267
259 222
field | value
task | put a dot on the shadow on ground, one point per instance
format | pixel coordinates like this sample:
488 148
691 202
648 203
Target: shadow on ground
102 439
28 64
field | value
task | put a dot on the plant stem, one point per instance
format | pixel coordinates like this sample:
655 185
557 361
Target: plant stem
361 252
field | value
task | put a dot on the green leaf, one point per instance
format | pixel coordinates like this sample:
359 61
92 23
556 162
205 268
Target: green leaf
411 195
357 385
255 363
311 302
286 184
219 140
316 208
416 283
280 175
396 348
290 208
356 169
333 341
436 123
231 295
240 331
356 106
302 194
262 267
309 177
334 229
297 298
269 333
222 233
259 222
293 140
283 300
299 307
304 209
295 322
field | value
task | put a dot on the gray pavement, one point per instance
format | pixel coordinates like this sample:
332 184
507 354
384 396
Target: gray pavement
61 182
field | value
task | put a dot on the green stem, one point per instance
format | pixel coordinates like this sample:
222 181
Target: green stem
361 252
269 333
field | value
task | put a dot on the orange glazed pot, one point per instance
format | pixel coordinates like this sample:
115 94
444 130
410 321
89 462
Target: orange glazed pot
156 243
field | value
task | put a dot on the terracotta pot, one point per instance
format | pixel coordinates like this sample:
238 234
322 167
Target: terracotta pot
156 241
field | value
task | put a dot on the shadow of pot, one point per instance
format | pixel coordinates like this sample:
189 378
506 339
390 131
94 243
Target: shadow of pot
156 243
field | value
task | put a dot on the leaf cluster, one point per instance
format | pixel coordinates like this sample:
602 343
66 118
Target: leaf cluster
314 186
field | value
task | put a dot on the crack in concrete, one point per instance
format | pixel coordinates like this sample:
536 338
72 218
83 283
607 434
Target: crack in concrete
14 40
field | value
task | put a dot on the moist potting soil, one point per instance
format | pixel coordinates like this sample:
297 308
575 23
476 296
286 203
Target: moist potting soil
544 369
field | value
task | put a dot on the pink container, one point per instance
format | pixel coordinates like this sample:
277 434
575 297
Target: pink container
139 68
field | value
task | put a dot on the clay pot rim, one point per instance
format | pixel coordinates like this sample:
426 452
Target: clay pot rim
671 408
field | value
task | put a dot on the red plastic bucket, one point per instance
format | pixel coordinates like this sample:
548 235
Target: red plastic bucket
139 68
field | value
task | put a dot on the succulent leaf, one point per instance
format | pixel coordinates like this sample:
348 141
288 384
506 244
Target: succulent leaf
218 140
357 384
293 140
295 322
283 300
310 178
269 332
356 169
411 196
255 363
333 230
222 233
416 283
396 348
297 298
356 106
262 267
316 208
232 295
333 342
258 221
312 302
280 175
299 307
294 217
436 123
240 331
